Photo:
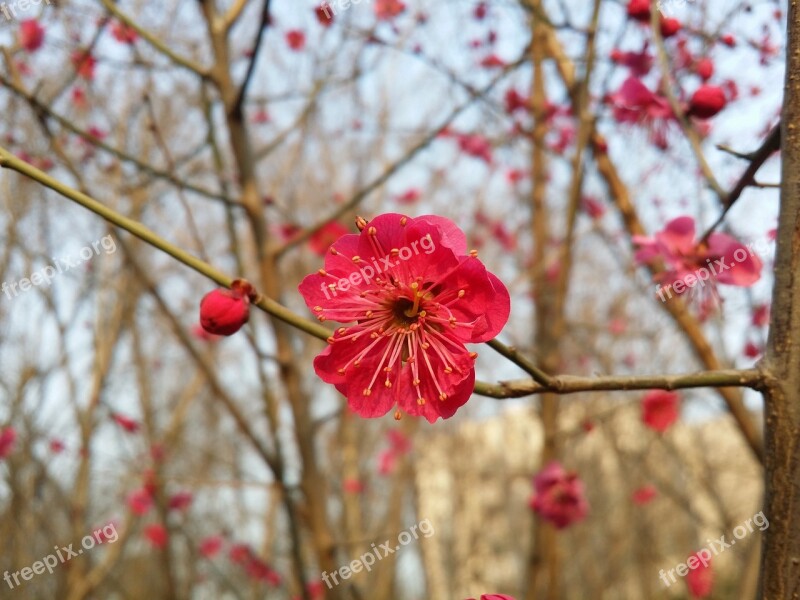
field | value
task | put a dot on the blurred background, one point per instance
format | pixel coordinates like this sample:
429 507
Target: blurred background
251 134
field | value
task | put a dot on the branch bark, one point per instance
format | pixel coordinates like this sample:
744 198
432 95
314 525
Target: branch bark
780 561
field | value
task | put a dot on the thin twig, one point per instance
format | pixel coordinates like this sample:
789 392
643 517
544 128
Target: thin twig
686 126
771 144
251 67
155 42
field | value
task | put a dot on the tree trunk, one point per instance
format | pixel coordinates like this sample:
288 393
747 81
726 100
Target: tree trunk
780 562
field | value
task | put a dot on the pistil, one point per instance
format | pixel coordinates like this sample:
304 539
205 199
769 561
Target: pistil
412 312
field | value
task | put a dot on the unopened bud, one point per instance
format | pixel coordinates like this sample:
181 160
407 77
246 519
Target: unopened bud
224 312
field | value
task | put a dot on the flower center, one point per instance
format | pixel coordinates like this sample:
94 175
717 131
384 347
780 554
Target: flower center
406 312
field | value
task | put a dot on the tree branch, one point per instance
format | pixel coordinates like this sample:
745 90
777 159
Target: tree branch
155 42
564 384
570 384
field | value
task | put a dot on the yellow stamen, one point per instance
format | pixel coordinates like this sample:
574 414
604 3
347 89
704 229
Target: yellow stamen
412 312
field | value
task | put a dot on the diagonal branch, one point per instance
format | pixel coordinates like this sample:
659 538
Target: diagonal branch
155 42
251 67
771 144
564 384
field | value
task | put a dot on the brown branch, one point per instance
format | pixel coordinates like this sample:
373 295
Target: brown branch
41 108
779 560
271 282
521 361
251 66
771 144
156 43
571 384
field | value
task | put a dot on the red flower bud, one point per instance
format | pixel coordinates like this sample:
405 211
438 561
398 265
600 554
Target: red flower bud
704 68
223 312
639 10
31 35
669 27
324 13
706 102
